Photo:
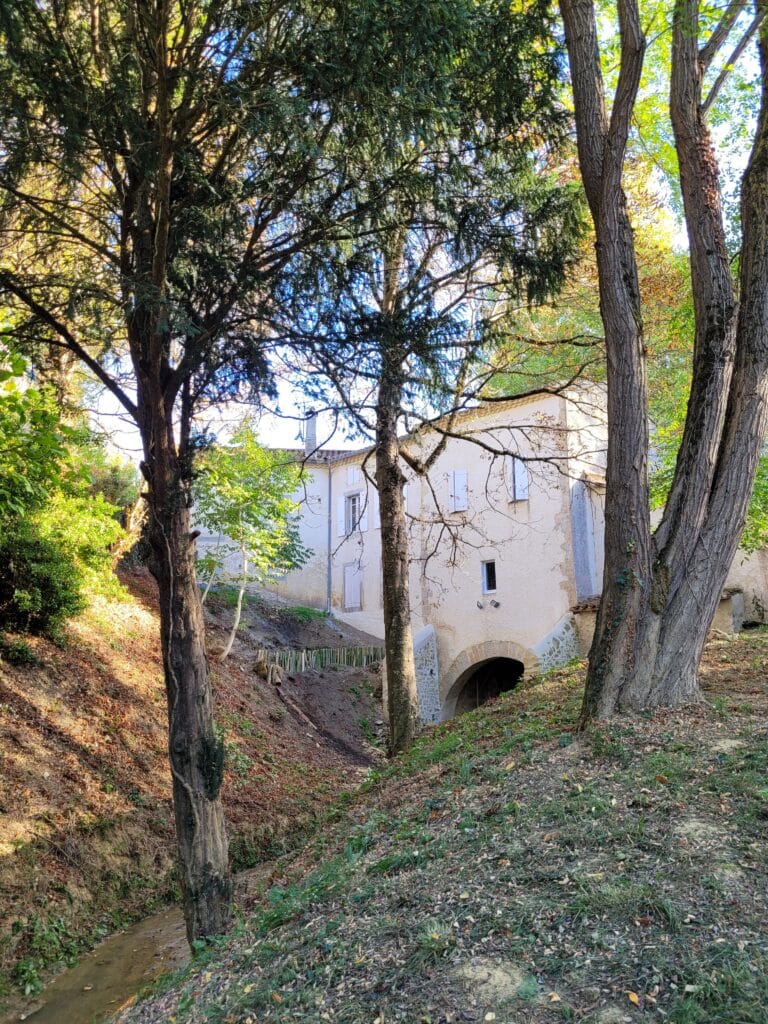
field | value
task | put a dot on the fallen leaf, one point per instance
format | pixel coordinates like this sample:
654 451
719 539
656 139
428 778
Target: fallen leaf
634 998
554 997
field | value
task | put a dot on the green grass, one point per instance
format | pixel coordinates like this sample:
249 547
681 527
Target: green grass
504 837
303 614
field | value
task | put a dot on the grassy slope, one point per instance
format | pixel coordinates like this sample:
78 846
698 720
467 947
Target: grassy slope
509 870
86 827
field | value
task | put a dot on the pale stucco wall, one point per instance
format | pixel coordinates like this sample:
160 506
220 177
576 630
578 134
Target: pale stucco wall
307 585
530 540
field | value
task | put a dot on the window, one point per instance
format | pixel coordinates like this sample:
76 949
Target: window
489 577
517 479
351 513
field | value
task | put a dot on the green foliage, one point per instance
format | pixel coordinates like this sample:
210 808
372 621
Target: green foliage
211 758
452 219
40 585
244 493
33 443
47 941
55 531
84 526
17 651
302 614
111 478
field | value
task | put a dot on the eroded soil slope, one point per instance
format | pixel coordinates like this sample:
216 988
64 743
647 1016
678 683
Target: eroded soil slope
86 839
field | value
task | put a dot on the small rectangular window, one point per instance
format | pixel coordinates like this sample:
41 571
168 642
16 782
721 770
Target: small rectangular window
351 513
489 577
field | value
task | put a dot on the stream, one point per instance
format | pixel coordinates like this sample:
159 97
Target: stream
107 979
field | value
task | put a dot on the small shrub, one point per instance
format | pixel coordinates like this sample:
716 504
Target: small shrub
435 941
40 585
17 652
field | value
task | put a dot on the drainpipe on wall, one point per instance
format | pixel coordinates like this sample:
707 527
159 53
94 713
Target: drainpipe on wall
328 589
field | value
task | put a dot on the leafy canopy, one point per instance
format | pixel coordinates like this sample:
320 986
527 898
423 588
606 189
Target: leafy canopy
245 494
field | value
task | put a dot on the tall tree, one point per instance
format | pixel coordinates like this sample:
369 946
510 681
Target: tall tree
661 589
154 157
461 214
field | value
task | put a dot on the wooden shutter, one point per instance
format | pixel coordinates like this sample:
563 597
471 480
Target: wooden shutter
341 528
459 496
353 587
521 480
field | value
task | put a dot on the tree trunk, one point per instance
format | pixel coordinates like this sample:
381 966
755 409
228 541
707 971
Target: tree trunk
238 609
196 750
660 593
402 695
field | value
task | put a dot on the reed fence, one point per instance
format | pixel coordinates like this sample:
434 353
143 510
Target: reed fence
300 660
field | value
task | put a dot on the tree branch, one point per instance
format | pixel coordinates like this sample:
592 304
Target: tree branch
68 340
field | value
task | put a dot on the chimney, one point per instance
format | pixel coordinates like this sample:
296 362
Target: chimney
310 434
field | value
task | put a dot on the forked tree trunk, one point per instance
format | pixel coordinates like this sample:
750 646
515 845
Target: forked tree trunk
402 696
660 592
196 750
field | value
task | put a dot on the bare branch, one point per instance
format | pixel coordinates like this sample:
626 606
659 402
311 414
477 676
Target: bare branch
720 34
739 49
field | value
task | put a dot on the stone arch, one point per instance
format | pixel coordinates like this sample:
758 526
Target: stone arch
471 658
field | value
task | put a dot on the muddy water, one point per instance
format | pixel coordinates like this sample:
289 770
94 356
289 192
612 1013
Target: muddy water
107 979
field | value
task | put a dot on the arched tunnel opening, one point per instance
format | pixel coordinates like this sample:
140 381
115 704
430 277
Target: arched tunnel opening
487 681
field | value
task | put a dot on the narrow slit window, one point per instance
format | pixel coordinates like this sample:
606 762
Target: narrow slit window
489 577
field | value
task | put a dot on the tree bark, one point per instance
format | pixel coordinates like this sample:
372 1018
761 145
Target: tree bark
660 592
195 748
402 695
